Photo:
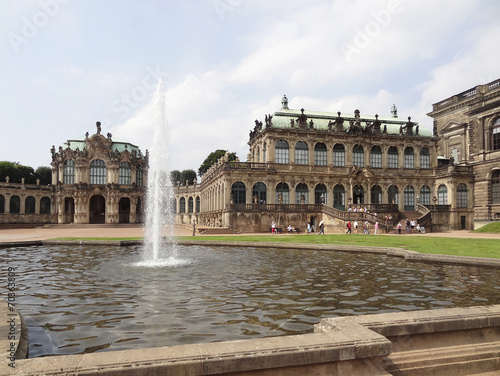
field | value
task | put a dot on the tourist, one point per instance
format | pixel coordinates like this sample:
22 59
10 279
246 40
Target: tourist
376 227
273 228
194 228
321 229
290 228
308 228
408 225
412 225
348 228
418 227
355 226
399 228
366 231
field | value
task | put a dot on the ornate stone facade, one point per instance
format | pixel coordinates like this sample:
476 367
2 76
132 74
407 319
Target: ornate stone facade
94 180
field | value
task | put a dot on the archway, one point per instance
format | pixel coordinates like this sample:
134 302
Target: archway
124 210
97 209
69 210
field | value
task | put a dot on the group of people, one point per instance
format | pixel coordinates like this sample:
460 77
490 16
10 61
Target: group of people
352 228
411 227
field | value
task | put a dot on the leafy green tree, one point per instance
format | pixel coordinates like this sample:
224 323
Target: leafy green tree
189 175
44 173
16 172
212 159
175 176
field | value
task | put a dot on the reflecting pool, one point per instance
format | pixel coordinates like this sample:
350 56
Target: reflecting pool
79 299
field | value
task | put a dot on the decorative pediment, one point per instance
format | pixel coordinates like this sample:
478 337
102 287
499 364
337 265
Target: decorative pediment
452 126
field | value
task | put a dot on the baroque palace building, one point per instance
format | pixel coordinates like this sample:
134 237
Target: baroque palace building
94 180
309 166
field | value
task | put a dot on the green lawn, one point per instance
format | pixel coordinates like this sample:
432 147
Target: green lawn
424 244
490 228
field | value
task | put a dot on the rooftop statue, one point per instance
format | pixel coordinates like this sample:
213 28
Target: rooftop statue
394 111
284 103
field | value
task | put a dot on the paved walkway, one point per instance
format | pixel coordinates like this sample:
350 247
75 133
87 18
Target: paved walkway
121 231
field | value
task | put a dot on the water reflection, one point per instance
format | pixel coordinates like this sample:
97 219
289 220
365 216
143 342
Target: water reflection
81 299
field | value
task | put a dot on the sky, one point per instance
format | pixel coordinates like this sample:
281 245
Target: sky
66 64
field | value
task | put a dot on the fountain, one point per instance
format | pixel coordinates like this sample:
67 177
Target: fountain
158 240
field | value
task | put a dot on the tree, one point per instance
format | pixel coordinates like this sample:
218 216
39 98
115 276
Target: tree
175 176
189 175
44 173
16 172
212 159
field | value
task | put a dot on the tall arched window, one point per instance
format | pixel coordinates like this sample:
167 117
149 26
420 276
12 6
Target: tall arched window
409 198
425 158
320 154
239 192
198 204
339 155
190 205
259 190
182 205
409 160
69 172
376 194
301 153
495 135
442 195
462 201
29 205
282 188
301 194
320 194
139 176
392 157
358 156
376 157
45 205
125 174
264 150
15 204
2 204
495 187
98 172
425 195
393 195
339 197
282 155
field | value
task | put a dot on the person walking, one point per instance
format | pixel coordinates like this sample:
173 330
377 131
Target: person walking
273 228
376 227
399 228
355 227
321 229
348 228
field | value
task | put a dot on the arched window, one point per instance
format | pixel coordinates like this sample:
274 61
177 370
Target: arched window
69 172
376 157
320 154
442 195
239 192
301 153
282 188
462 201
258 155
358 156
339 197
182 204
393 195
190 205
358 194
125 174
2 204
320 194
409 198
29 205
259 190
495 187
45 205
409 161
425 195
264 150
425 158
98 172
139 176
392 157
15 204
376 194
495 135
339 155
302 194
282 155
198 204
